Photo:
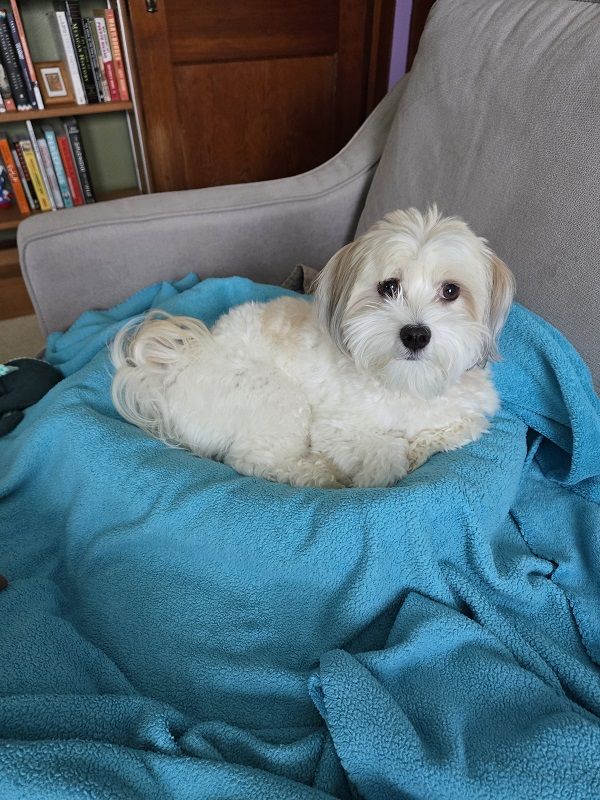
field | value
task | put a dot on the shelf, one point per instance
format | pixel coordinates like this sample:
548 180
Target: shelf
11 217
72 110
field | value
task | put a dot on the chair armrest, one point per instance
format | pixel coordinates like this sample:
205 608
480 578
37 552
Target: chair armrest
95 256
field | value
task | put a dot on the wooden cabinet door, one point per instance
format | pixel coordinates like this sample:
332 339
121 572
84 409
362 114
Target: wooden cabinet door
243 90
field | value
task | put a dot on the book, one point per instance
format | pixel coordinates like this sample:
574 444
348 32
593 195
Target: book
5 93
49 171
88 25
115 46
26 184
59 169
6 195
73 14
13 174
106 53
30 68
42 169
69 52
20 52
101 67
11 65
25 176
36 175
70 169
83 172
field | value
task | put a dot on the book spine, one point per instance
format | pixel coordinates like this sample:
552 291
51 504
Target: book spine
106 53
58 165
50 174
105 87
18 45
72 131
115 46
25 176
73 12
11 66
70 170
91 47
13 174
36 175
67 45
38 155
24 183
5 92
30 68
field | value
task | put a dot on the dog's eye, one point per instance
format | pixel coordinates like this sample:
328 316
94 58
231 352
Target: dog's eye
389 287
450 291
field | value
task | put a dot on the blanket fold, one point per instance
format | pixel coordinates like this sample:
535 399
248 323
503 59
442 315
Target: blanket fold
173 629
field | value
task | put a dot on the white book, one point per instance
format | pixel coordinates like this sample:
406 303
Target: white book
50 174
69 50
38 156
38 96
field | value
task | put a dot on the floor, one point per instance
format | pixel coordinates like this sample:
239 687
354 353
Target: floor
19 337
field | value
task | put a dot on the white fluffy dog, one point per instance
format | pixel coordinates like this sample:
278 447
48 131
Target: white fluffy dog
386 367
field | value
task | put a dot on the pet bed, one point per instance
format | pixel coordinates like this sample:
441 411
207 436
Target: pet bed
172 629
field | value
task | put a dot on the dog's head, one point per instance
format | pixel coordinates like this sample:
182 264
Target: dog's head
419 298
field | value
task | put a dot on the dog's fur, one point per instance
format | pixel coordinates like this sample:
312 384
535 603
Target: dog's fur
326 393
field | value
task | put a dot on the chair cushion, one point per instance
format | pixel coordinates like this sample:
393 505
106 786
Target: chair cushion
498 123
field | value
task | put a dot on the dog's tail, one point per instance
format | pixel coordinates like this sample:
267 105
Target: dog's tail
148 354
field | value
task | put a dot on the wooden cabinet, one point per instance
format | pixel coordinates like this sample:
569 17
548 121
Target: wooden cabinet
254 89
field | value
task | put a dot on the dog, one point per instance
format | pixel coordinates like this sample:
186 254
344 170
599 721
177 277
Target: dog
386 367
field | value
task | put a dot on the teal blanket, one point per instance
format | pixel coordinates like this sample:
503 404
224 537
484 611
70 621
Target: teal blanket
174 630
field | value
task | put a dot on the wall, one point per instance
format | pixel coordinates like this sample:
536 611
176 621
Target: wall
400 40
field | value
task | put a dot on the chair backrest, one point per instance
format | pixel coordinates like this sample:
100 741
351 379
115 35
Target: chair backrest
498 123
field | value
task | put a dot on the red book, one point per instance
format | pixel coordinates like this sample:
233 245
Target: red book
70 170
111 78
115 46
106 55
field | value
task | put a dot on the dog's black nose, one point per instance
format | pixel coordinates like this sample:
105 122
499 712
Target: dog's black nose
415 337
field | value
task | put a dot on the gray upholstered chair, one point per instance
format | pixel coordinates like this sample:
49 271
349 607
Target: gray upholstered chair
497 122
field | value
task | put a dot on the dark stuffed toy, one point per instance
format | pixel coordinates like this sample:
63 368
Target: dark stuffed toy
23 381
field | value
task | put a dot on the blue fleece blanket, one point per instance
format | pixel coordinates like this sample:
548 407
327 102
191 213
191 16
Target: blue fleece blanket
174 630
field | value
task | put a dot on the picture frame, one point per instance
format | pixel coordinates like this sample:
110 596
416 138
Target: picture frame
55 83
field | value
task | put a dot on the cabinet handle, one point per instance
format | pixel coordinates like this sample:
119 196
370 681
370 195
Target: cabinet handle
151 6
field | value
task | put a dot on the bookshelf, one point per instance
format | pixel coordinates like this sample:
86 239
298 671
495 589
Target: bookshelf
66 111
112 133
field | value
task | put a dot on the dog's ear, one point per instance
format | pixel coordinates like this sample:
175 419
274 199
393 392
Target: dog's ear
501 297
333 288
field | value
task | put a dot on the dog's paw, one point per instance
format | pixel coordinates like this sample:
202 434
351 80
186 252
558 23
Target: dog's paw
418 455
316 470
467 430
384 467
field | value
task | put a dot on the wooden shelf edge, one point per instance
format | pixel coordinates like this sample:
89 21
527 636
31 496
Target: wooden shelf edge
66 111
